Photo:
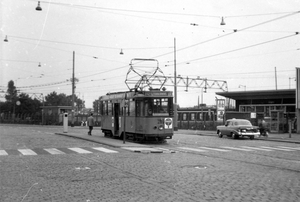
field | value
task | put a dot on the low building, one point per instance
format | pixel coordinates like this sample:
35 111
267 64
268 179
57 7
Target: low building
276 107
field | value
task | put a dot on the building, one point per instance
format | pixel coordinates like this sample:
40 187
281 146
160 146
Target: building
276 107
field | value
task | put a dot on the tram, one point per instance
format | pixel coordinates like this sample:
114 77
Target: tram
192 118
140 115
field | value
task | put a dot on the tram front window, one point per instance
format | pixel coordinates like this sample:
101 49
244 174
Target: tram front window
157 107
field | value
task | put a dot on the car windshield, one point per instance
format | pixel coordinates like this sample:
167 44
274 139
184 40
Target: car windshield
243 123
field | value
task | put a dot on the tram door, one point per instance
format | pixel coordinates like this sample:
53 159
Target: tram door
116 118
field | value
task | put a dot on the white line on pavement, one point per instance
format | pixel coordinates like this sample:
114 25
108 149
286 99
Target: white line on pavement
3 153
293 148
235 148
255 148
80 151
214 149
54 151
192 149
274 148
104 150
27 152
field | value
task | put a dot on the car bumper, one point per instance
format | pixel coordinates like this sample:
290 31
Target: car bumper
247 134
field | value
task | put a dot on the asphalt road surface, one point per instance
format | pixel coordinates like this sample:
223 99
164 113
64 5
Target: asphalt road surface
36 165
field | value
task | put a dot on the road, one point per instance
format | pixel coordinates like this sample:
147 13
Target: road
37 165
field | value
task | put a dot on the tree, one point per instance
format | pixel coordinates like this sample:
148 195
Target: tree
28 105
54 99
11 92
96 106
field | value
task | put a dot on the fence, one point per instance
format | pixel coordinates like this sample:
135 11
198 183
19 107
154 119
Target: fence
53 119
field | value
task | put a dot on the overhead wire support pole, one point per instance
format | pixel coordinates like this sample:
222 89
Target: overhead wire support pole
175 89
73 89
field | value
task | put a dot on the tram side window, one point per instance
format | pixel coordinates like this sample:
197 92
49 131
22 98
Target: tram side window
192 116
131 110
101 106
105 108
184 117
109 108
146 108
139 108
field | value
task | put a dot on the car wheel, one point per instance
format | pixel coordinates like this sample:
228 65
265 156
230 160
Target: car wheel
220 134
252 137
234 136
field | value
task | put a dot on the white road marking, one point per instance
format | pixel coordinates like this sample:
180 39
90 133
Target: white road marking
255 148
192 149
80 151
27 152
235 148
214 149
54 151
104 150
3 153
139 149
274 148
293 148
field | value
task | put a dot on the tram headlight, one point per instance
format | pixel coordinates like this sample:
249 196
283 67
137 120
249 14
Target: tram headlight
160 127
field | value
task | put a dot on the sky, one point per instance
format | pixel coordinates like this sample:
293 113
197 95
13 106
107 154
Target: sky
258 48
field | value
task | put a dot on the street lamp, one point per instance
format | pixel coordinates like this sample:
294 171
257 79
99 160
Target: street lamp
243 87
38 8
222 21
290 81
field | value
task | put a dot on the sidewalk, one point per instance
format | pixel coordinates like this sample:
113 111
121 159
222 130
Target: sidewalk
98 136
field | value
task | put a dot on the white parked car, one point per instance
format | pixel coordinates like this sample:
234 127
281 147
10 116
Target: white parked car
236 128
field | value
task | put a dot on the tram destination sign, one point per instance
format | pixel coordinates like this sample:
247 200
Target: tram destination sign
158 93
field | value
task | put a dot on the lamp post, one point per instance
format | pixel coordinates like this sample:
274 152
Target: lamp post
243 87
290 81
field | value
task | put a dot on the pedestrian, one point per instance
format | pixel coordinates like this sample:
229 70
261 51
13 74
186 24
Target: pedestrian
90 123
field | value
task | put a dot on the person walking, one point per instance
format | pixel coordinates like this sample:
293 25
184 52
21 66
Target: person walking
90 123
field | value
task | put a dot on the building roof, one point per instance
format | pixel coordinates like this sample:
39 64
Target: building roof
259 94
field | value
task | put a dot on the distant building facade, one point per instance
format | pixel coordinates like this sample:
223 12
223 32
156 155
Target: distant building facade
276 107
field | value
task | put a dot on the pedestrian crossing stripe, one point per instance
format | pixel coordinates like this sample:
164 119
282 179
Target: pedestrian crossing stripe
105 150
80 151
27 152
54 151
3 153
241 148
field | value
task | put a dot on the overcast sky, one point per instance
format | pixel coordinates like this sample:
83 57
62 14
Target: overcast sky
259 37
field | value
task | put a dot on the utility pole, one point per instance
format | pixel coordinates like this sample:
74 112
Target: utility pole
175 89
73 89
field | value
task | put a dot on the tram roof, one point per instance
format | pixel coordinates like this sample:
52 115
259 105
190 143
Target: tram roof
259 94
132 94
